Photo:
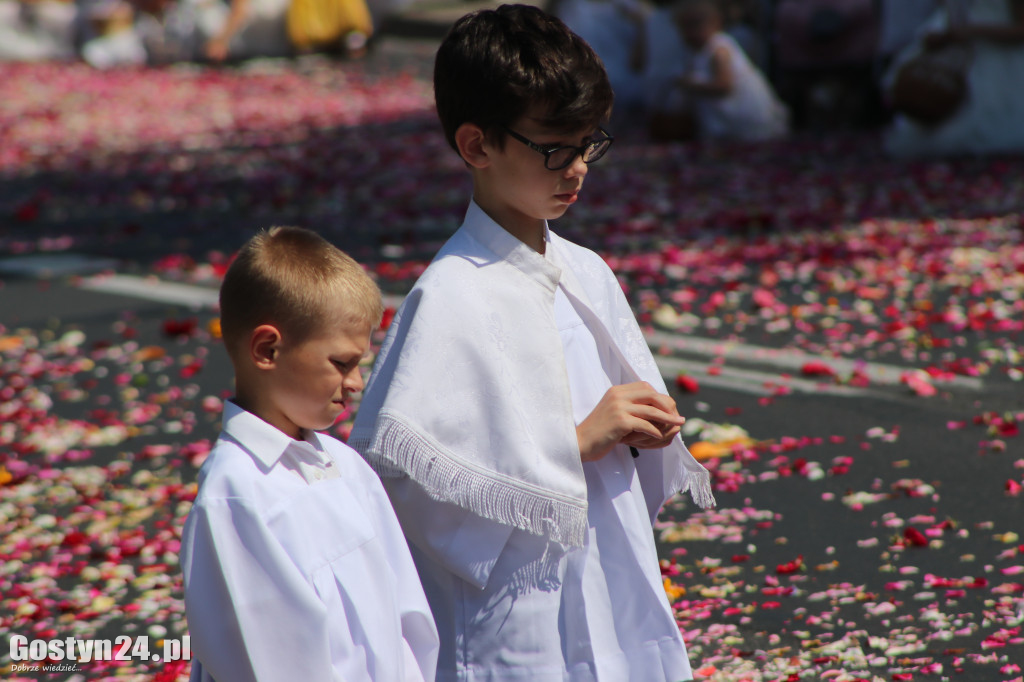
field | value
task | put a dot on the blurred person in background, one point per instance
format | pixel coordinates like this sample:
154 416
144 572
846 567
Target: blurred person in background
134 32
720 93
33 30
113 33
986 41
901 21
116 33
333 25
245 28
658 55
741 19
825 58
612 28
277 28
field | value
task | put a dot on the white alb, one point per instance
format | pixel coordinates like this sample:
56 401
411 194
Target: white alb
537 566
295 566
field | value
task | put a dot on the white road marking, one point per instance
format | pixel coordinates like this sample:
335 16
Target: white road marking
792 359
751 381
50 265
729 377
153 290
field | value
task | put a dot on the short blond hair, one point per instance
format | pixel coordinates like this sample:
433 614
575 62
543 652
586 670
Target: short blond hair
287 276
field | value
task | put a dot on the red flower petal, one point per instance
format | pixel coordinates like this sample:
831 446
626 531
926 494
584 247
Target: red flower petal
687 383
817 369
915 537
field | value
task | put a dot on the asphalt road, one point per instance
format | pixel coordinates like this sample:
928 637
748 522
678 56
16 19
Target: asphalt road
832 484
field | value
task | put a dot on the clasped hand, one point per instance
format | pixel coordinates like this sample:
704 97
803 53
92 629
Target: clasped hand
632 414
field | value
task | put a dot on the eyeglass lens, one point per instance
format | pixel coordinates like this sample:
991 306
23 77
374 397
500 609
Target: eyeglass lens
562 157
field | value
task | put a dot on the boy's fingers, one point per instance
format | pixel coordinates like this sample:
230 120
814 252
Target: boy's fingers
645 442
657 416
643 392
654 429
665 403
644 426
668 430
635 414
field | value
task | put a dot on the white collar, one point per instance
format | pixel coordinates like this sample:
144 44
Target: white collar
266 443
507 247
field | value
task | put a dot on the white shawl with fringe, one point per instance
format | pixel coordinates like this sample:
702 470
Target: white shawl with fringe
469 395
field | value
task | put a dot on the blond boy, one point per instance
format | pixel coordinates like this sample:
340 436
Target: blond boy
295 567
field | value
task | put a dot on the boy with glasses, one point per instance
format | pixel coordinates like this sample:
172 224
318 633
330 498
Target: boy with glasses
515 412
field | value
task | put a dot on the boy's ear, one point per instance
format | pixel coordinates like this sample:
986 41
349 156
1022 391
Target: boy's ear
264 345
471 142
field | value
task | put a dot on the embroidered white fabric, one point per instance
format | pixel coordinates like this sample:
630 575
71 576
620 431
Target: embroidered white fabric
470 398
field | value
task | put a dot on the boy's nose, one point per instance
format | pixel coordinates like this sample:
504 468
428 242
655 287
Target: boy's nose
578 167
354 381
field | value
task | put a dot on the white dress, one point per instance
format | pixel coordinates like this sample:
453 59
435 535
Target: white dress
751 111
990 121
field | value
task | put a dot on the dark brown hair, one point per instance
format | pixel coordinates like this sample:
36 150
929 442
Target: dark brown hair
495 65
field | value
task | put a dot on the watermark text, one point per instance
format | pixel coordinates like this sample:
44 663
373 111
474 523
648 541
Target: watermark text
28 653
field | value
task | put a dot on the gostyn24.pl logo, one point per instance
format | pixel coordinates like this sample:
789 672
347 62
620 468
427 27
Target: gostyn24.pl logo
27 654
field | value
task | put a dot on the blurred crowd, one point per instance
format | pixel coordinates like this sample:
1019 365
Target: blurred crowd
940 77
111 33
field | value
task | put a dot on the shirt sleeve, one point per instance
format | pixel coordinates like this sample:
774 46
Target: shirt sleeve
250 610
464 543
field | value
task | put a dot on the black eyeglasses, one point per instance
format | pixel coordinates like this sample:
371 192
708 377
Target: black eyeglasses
557 158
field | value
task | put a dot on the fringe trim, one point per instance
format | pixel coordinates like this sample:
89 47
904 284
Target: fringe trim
394 450
699 485
693 477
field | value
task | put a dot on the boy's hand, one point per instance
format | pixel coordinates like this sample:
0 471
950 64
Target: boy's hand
633 414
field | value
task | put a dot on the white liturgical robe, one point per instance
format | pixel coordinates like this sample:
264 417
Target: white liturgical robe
295 566
515 604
